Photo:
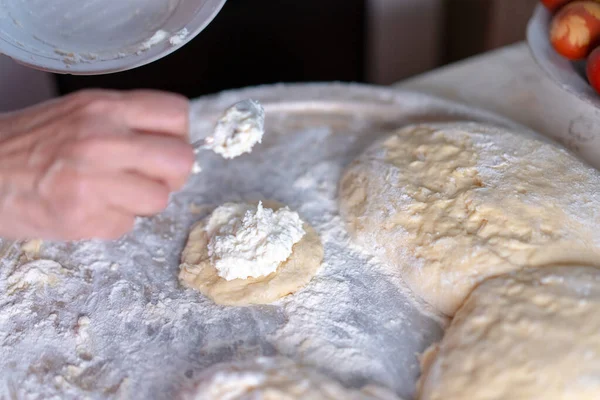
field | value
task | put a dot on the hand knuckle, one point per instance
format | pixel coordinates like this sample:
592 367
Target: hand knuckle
86 95
78 122
82 96
98 106
94 101
86 147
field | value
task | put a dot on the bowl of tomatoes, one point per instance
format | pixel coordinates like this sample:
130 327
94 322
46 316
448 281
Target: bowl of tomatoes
564 38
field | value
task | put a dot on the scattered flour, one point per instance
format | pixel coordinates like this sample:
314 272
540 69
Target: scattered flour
149 338
35 274
82 338
196 168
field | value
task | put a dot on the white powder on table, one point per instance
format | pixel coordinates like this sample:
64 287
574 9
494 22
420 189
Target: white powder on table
196 168
249 241
110 322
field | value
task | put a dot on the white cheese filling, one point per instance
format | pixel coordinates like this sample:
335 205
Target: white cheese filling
250 241
239 129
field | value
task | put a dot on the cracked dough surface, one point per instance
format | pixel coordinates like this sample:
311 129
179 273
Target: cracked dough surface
197 272
448 205
277 378
529 335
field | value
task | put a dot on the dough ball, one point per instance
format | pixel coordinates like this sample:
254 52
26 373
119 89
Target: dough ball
448 205
197 271
529 335
276 378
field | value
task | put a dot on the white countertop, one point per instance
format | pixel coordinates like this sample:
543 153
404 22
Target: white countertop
508 82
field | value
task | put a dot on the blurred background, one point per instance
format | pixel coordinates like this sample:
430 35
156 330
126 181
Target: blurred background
255 42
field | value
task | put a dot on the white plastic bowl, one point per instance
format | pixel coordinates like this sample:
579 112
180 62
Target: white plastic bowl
88 37
567 74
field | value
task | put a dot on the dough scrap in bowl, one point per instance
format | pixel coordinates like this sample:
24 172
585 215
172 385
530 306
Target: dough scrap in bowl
533 334
276 378
448 205
197 271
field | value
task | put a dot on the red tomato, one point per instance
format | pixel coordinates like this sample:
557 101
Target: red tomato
575 30
593 69
554 5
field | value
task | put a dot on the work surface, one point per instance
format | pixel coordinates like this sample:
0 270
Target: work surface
95 319
509 82
109 320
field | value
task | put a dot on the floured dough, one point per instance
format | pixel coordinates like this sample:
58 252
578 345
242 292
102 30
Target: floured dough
197 271
276 378
529 335
36 275
451 204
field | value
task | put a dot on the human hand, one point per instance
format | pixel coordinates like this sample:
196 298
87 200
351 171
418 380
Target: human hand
85 165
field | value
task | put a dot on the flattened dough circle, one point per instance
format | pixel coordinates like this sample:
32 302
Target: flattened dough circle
197 272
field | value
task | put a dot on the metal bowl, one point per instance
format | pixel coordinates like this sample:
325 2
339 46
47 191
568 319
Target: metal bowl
88 37
567 74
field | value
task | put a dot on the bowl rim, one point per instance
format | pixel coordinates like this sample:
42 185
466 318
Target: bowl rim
559 69
197 24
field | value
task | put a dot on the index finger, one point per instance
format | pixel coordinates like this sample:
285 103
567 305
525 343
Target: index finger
155 112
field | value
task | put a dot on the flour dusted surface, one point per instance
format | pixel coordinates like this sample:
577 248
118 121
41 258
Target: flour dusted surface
147 338
248 240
